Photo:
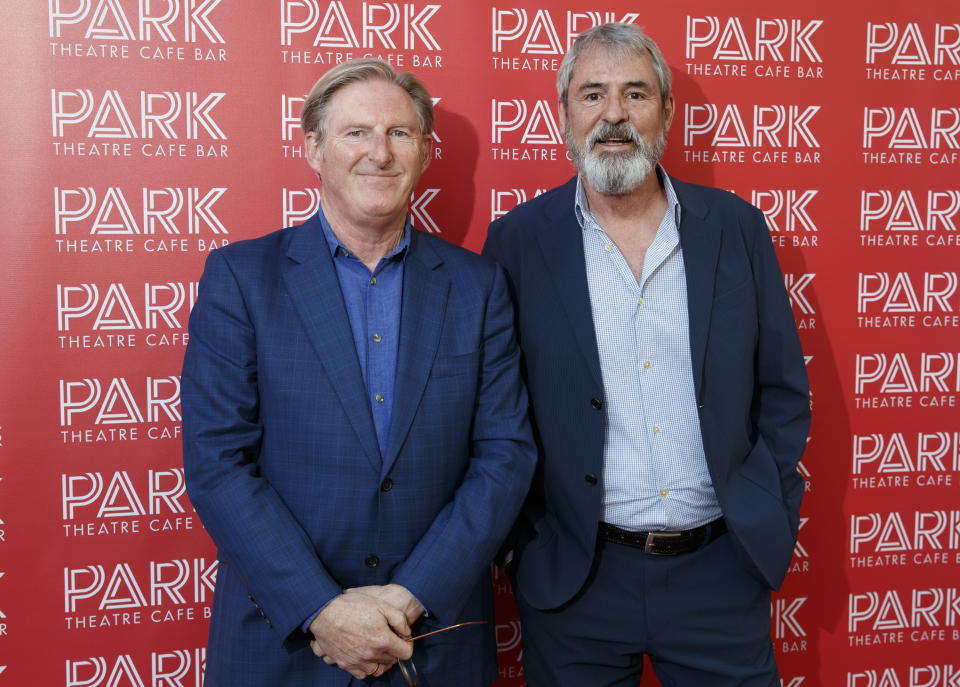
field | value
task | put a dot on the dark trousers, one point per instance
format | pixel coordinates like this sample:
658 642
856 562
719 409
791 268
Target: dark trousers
702 619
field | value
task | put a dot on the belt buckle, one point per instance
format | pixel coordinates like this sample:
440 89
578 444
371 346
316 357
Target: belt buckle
652 539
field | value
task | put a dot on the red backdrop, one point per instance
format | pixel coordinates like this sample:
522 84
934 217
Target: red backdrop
138 135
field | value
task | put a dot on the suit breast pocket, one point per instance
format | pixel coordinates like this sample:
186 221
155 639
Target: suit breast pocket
738 296
463 365
733 323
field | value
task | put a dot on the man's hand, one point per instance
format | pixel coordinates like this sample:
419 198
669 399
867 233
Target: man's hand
397 596
361 634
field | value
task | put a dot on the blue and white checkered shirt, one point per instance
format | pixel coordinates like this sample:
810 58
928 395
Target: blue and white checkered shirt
654 469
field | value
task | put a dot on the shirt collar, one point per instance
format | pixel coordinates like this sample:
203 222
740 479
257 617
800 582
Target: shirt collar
585 216
335 246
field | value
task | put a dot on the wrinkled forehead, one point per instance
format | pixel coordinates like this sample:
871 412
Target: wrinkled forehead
605 64
373 99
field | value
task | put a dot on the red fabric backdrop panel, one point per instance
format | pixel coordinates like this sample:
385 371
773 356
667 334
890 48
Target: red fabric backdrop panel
139 136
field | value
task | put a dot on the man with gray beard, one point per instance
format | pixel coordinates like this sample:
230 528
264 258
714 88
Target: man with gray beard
669 397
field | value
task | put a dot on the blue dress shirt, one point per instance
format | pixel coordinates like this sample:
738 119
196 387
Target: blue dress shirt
655 474
373 301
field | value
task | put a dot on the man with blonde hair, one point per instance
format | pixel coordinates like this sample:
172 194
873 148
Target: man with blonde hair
355 431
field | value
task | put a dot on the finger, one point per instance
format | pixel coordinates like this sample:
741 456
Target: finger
317 651
392 647
397 645
397 620
380 652
329 661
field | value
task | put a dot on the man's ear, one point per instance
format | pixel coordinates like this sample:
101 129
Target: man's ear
427 153
668 110
313 150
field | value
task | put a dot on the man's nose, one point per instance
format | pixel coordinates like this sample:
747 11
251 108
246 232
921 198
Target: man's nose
614 109
380 151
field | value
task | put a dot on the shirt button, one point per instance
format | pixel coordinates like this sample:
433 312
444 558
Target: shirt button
371 561
640 302
656 429
646 364
386 485
373 280
590 478
379 398
608 247
663 492
376 338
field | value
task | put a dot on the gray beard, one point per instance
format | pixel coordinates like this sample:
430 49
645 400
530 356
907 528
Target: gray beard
615 173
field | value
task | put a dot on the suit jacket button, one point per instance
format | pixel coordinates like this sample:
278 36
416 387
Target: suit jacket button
596 403
386 485
371 561
590 478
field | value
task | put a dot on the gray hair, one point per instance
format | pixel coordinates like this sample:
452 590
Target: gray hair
621 39
316 108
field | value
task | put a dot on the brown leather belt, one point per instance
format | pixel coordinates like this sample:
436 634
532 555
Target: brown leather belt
664 543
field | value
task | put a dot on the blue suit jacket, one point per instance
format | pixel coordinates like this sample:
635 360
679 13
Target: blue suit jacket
284 469
748 372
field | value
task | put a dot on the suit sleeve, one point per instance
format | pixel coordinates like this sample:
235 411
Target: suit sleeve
781 403
255 532
522 531
457 548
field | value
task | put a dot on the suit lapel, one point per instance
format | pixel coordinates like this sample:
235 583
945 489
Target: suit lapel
700 243
561 241
425 291
312 282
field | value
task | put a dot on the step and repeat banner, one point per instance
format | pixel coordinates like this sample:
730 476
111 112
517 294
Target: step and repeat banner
139 135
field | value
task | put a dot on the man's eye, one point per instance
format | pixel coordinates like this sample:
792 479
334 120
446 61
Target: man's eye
592 97
399 133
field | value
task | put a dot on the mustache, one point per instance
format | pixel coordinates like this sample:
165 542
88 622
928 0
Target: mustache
605 131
